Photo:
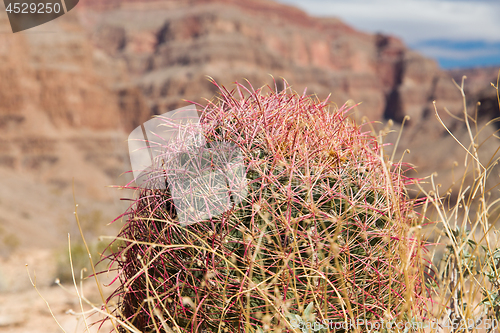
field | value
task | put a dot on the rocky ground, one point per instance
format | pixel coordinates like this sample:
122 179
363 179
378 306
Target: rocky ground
23 310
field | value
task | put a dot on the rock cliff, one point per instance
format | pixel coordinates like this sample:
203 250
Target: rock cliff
183 42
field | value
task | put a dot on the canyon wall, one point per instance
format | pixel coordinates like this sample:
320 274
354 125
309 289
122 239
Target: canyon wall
72 90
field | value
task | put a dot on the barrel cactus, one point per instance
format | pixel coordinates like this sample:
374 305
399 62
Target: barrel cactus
318 221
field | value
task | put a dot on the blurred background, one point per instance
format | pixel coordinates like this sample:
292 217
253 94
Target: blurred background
73 89
458 34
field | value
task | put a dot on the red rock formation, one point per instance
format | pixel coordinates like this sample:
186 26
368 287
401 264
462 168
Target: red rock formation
231 40
69 98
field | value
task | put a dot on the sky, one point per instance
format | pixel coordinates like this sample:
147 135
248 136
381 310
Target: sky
457 33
